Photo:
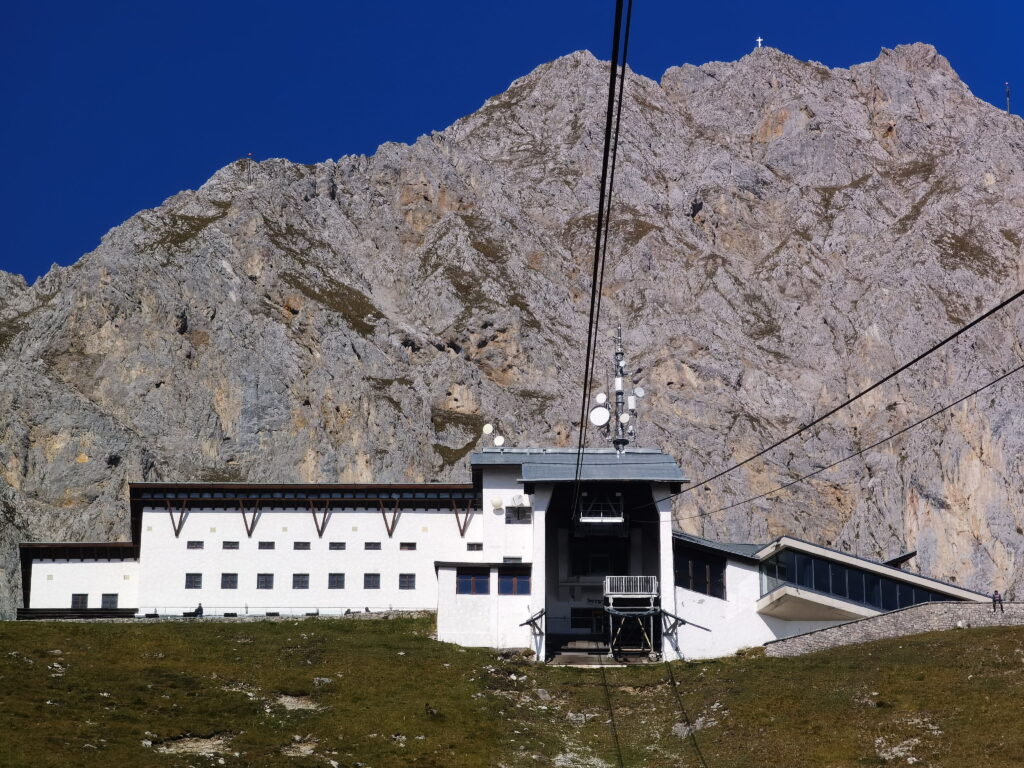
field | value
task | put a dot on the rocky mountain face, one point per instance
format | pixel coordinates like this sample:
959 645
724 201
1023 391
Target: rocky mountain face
783 235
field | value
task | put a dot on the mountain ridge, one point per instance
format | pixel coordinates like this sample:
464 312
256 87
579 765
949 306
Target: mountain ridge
783 234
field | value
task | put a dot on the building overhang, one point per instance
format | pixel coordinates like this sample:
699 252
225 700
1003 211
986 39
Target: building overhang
794 604
799 545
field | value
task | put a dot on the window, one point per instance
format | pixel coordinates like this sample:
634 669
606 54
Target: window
336 581
472 581
336 545
300 545
194 545
513 581
842 581
699 571
407 581
407 546
229 581
371 581
266 545
193 581
229 545
511 559
371 545
474 546
518 515
79 601
264 581
109 602
300 581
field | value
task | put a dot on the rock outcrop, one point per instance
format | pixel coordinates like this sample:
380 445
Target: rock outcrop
783 235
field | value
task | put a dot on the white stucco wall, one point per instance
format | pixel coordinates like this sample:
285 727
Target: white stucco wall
488 621
731 624
165 559
54 581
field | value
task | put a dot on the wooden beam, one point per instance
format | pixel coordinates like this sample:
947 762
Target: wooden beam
321 522
179 523
250 522
390 523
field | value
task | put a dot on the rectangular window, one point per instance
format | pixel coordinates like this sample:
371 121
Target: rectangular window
407 581
804 576
821 575
266 545
855 584
873 590
335 580
264 581
229 581
890 599
472 581
371 581
194 545
80 601
336 545
511 559
300 545
699 570
475 546
300 581
838 574
905 594
371 545
407 546
518 515
229 545
109 601
513 582
193 581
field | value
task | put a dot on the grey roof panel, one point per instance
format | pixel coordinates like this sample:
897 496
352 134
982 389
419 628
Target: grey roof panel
559 465
746 551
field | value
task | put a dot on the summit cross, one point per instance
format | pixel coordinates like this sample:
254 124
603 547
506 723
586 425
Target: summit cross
759 41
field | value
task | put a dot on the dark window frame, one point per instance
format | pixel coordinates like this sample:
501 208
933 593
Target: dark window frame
371 581
229 581
267 545
406 581
229 545
336 546
335 580
79 601
513 581
193 581
264 581
303 546
195 544
300 581
472 581
108 604
371 546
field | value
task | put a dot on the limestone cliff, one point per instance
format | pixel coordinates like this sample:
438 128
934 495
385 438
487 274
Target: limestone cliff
783 235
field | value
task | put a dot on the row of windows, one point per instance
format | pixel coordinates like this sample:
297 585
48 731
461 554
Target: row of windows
81 601
477 581
853 584
299 581
699 571
404 546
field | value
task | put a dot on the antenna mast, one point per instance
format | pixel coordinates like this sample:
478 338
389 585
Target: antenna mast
622 431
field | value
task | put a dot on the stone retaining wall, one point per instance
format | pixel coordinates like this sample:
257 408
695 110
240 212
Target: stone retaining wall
926 617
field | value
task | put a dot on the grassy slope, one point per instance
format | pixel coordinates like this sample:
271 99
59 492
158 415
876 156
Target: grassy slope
947 699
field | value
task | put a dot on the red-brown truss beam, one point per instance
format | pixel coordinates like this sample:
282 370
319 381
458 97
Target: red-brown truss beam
463 516
250 517
321 521
390 516
177 523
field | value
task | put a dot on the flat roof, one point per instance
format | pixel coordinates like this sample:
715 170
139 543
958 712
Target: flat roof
558 465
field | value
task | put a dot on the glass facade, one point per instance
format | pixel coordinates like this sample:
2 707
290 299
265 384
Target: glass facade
842 581
699 571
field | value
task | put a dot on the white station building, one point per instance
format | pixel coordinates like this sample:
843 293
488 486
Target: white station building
513 559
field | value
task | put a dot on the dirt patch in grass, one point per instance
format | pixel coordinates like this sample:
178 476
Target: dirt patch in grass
196 745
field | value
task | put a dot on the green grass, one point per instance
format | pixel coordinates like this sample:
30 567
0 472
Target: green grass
397 698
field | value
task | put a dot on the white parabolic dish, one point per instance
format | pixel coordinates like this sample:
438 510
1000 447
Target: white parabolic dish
599 416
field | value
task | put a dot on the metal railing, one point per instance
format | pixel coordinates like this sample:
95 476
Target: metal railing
631 585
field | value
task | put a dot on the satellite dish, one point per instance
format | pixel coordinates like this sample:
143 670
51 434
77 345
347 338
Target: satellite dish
601 398
599 416
639 392
488 428
499 441
624 418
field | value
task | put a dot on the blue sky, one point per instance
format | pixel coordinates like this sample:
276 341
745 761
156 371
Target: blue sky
112 107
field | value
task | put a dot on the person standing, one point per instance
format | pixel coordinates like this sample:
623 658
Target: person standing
997 599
